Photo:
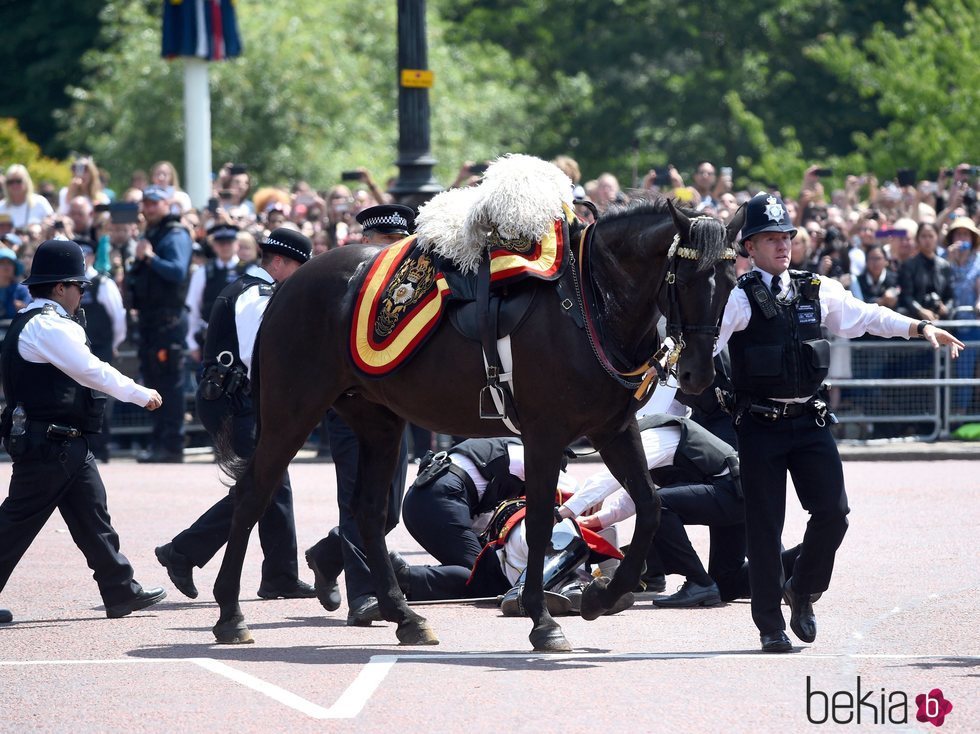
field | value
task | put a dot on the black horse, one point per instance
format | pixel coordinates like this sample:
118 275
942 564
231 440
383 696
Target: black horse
639 270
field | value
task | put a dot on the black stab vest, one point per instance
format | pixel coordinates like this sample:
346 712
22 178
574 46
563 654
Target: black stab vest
47 393
98 323
222 335
150 291
782 352
700 457
493 462
215 281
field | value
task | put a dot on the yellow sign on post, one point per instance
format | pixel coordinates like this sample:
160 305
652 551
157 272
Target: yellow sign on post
419 78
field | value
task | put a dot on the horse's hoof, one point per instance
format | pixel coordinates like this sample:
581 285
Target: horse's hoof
622 604
591 607
416 633
232 632
550 639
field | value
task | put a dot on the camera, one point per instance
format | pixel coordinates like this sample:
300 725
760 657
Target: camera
932 301
726 171
350 175
478 169
823 172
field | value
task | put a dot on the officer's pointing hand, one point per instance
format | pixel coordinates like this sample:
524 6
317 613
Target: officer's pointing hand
155 401
941 337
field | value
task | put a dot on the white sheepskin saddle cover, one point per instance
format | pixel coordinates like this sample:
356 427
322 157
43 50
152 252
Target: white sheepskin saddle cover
519 199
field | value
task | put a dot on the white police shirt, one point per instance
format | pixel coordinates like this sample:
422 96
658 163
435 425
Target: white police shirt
842 313
659 446
195 299
249 309
54 338
111 300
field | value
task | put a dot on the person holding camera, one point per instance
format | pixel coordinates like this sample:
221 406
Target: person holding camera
157 282
54 389
773 325
224 398
926 280
85 181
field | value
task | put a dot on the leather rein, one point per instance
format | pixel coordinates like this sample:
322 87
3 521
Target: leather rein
663 361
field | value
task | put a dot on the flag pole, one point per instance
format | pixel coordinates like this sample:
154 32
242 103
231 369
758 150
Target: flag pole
197 131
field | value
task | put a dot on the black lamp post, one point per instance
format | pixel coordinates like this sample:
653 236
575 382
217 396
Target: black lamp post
415 183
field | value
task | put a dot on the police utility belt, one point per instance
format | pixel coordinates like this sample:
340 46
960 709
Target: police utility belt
223 378
774 410
432 466
53 431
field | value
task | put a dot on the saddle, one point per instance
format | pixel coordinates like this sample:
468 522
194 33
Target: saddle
407 290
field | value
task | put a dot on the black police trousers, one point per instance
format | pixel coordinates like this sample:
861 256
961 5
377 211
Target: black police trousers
161 355
62 475
277 527
767 450
438 517
343 450
429 583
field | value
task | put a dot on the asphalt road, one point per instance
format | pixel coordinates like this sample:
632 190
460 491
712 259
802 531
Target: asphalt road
900 620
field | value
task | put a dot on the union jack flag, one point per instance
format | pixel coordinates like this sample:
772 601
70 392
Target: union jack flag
207 29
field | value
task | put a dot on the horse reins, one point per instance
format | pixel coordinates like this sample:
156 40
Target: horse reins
640 378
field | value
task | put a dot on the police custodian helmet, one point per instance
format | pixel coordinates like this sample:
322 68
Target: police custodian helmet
57 261
766 212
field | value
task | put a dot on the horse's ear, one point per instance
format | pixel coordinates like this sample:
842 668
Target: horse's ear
736 223
681 220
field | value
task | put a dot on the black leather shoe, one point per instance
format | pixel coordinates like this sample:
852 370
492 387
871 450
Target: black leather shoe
296 590
6 616
363 611
403 572
326 561
801 619
146 598
179 569
689 595
159 457
775 642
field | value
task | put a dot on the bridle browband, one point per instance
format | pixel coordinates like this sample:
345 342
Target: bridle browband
642 377
676 328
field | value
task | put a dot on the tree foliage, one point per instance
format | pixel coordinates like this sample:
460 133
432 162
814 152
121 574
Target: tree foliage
314 93
15 147
924 80
39 59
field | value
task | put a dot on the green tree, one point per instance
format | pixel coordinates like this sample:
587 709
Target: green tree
15 147
926 80
654 74
39 60
313 94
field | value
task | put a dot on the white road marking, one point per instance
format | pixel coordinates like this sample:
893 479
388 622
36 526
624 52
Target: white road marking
372 675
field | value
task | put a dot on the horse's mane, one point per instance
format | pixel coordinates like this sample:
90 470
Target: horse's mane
708 234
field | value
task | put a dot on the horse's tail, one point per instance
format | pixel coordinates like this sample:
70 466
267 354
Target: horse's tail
226 457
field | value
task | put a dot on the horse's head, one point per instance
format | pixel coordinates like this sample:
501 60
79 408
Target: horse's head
700 277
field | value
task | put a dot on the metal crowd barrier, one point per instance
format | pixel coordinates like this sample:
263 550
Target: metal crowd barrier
896 388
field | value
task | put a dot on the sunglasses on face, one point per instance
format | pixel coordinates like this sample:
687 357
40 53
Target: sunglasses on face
78 284
14 181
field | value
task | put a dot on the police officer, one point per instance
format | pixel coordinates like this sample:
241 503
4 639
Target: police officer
207 282
454 488
158 284
105 327
52 383
342 549
223 396
773 327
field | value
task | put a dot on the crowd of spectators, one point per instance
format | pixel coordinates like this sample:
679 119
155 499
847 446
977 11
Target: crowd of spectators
913 245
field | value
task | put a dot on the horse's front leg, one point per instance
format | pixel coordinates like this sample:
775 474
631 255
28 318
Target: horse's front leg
624 456
251 499
377 461
541 464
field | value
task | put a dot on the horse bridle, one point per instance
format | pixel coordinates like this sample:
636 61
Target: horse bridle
641 378
675 327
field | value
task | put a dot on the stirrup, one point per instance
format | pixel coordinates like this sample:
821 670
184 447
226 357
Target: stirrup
488 405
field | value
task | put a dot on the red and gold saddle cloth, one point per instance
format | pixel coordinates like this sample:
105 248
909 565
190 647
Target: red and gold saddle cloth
401 299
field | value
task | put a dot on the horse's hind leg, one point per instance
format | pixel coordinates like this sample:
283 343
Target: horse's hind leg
624 457
542 463
379 433
287 420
